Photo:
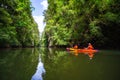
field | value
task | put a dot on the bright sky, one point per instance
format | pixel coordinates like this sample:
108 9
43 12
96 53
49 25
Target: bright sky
40 6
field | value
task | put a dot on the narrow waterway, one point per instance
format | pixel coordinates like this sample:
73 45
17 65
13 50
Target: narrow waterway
58 64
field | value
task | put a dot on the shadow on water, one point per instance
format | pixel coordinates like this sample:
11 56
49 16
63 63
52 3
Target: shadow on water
18 64
63 65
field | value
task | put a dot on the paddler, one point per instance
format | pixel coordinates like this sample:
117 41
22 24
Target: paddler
75 47
90 46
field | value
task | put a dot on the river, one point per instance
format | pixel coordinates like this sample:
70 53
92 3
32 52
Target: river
58 64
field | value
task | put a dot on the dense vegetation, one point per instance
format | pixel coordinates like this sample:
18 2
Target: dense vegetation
17 27
71 22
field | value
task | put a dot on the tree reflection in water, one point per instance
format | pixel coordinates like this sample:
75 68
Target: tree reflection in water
40 70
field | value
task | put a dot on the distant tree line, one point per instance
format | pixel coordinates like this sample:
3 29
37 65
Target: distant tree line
71 22
17 26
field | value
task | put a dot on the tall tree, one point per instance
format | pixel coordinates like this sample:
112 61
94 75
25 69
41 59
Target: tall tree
18 27
82 21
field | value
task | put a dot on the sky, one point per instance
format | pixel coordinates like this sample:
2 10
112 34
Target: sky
40 6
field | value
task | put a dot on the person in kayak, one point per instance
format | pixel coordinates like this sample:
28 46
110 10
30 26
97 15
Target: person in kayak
75 47
90 46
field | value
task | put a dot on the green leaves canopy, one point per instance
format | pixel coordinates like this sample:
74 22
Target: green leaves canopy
82 21
17 26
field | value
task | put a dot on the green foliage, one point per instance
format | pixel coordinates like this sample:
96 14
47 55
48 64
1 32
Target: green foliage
5 18
82 21
17 26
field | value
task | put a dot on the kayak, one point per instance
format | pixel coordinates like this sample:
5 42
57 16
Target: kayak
82 50
70 49
87 50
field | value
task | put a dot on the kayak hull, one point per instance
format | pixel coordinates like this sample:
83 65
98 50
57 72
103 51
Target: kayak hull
82 50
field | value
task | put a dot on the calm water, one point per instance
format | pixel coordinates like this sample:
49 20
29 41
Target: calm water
58 64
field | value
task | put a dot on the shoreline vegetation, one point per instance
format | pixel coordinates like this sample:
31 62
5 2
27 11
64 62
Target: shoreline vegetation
17 26
68 23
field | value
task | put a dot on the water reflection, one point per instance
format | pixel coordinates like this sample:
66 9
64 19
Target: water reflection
40 70
59 65
90 54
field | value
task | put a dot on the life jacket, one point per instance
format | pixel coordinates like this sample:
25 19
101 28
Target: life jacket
90 46
75 47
